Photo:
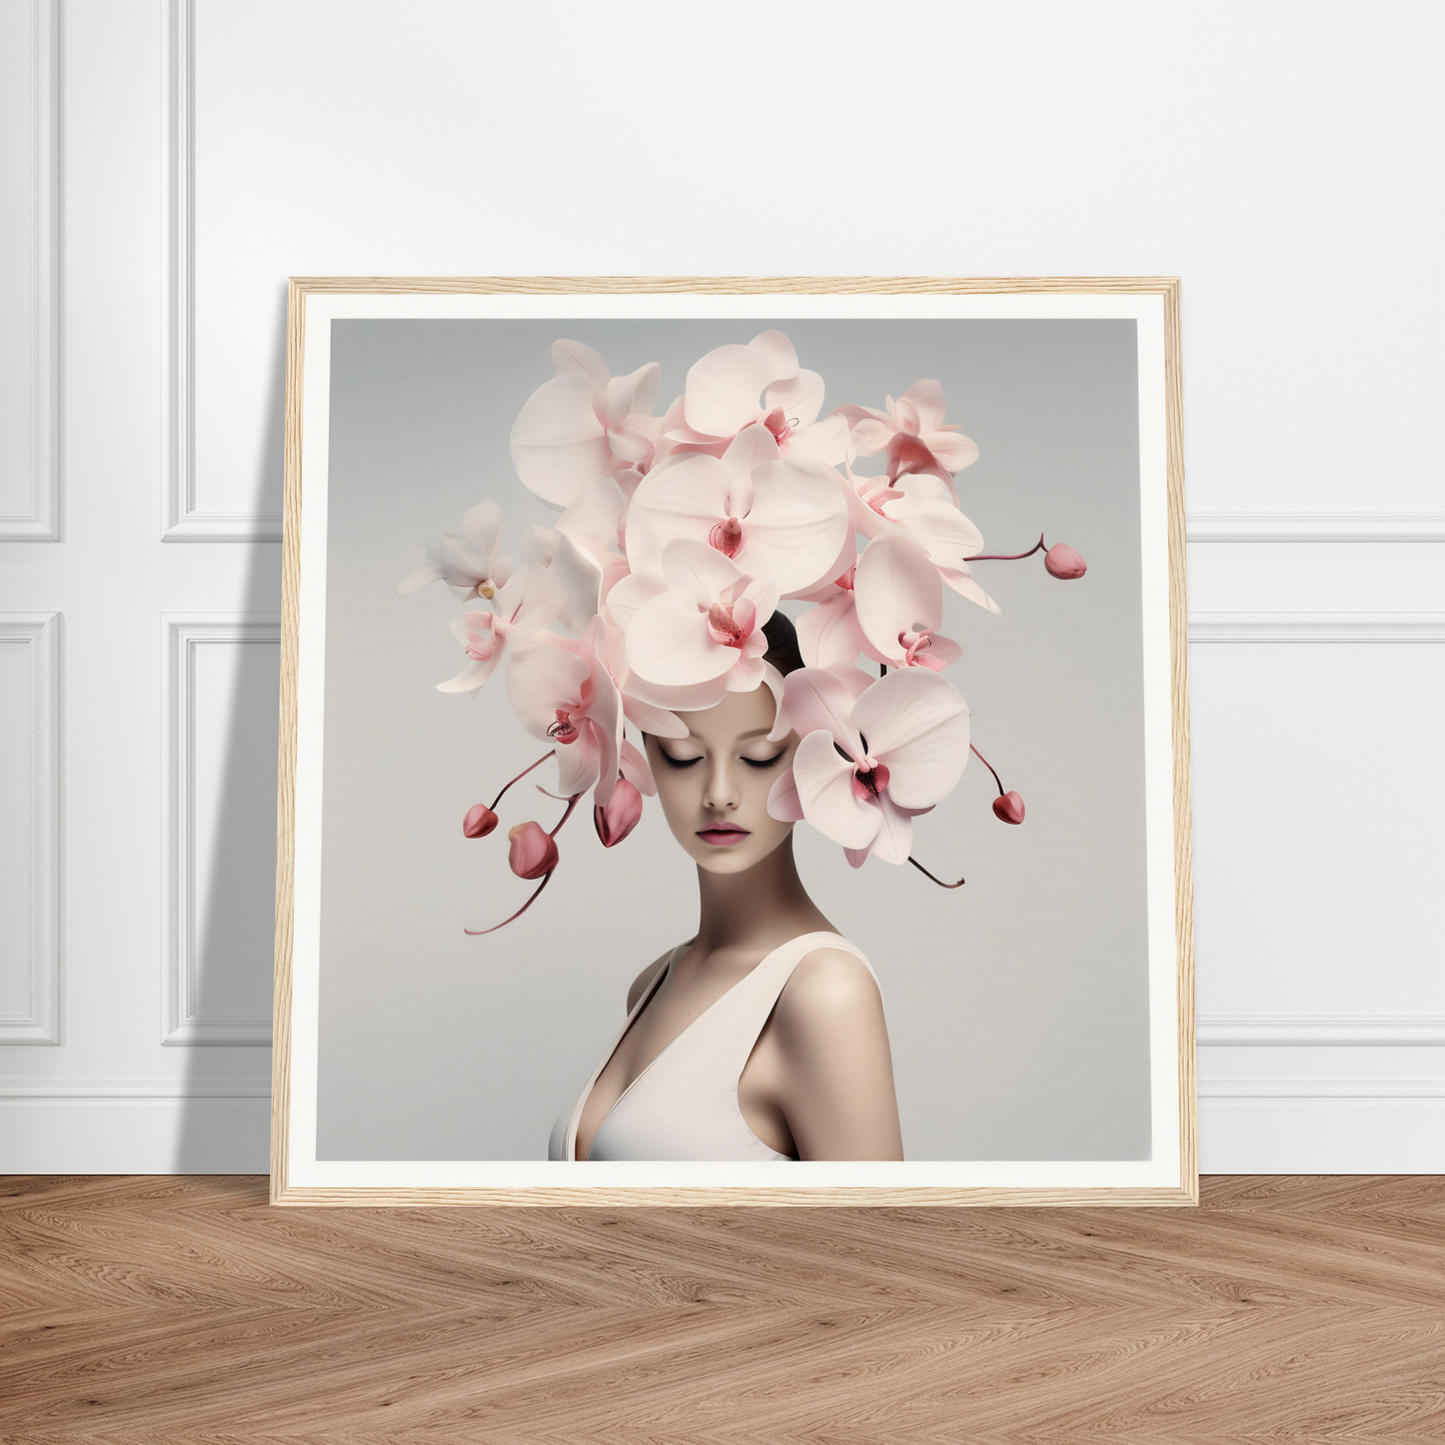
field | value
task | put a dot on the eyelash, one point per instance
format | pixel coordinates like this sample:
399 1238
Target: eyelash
751 762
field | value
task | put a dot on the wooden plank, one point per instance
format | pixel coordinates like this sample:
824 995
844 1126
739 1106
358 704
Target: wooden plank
186 1309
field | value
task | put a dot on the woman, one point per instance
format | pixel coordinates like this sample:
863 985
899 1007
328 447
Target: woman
763 1036
653 602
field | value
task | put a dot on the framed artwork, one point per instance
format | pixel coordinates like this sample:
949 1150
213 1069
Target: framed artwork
734 744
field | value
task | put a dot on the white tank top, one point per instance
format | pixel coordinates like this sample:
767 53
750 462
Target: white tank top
684 1104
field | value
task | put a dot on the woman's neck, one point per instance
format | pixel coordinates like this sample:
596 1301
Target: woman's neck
756 909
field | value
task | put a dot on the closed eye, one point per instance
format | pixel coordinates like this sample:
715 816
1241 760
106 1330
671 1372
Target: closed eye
765 762
678 762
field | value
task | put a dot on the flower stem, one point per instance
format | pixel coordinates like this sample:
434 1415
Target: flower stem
519 778
477 932
988 765
1010 557
571 803
938 881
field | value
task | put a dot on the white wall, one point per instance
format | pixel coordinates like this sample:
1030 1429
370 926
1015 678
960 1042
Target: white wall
164 167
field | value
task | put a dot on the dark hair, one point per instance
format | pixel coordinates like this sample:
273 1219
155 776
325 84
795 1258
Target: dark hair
783 651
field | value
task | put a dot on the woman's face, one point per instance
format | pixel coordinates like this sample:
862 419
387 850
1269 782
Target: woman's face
713 784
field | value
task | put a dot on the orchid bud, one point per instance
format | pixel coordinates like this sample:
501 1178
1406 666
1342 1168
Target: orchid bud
533 853
479 821
1062 561
1010 808
619 815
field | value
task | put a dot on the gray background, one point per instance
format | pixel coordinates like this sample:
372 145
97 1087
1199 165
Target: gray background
1017 1005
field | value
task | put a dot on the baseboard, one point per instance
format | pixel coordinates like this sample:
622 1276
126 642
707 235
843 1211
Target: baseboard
1322 1134
1300 1134
130 1135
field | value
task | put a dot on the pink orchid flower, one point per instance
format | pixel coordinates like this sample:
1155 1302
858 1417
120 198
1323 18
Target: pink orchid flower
573 580
912 431
873 756
466 561
522 607
699 626
780 518
899 605
828 633
584 424
721 398
562 693
924 509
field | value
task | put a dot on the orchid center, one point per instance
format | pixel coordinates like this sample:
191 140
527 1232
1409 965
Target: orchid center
731 626
727 537
780 425
564 730
869 780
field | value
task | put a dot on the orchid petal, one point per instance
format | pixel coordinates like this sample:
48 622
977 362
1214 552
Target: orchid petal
558 444
965 586
670 644
820 701
916 724
897 590
750 448
783 801
779 351
636 769
579 762
482 527
571 578
692 698
542 678
856 857
649 718
871 435
635 392
592 517
573 356
473 675
782 725
684 500
797 526
829 633
926 400
801 398
428 572
895 832
825 790
953 450
824 441
632 592
723 389
697 574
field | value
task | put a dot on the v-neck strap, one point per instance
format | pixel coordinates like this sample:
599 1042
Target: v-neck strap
710 1053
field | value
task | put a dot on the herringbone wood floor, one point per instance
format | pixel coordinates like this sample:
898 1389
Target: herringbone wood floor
187 1310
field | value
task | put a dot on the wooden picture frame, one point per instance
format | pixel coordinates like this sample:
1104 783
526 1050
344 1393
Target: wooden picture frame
1168 1176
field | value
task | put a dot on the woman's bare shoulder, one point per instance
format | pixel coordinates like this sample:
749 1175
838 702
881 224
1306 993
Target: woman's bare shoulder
640 983
830 990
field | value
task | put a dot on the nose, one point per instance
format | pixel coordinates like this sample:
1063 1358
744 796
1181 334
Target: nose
720 792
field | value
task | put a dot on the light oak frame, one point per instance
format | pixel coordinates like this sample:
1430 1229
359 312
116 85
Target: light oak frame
284 1192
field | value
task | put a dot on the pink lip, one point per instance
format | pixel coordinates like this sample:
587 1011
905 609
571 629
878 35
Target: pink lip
723 837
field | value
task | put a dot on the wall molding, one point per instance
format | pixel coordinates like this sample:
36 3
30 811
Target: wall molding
1317 627
181 519
1315 527
40 521
1320 1030
1338 1088
181 1021
39 634
31 1088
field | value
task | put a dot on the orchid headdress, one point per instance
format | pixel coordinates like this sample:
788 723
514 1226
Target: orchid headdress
678 537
